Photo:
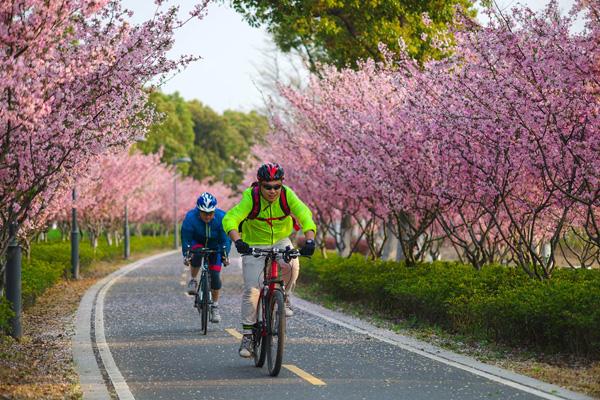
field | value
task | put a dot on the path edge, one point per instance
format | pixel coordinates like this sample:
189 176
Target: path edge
470 364
87 365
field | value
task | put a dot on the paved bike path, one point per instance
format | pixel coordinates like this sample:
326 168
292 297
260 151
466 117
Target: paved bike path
153 334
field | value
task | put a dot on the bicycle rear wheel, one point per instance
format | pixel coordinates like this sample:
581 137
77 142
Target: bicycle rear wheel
259 349
275 332
205 296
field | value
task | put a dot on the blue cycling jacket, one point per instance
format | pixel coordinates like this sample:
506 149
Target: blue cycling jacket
195 231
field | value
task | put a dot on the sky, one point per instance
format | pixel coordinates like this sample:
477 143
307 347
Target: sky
233 54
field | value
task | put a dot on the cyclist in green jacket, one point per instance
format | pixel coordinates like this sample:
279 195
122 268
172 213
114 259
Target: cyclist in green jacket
267 213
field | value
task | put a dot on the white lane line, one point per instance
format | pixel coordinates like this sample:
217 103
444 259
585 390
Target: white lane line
409 344
90 378
114 374
304 375
121 387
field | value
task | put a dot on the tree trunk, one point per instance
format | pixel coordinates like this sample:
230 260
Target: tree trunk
346 235
391 247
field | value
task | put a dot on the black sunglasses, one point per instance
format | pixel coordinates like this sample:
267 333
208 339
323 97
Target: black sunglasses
271 187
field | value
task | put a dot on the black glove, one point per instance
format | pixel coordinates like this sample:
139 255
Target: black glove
308 249
242 247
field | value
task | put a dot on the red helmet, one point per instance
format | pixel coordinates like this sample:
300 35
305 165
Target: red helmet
269 172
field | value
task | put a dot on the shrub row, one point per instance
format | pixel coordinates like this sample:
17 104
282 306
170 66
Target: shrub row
497 303
49 262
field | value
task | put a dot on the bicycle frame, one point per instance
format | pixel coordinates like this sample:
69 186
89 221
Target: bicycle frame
203 275
270 280
270 324
204 286
204 253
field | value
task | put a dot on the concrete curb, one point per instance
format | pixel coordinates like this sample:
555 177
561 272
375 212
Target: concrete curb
89 367
521 382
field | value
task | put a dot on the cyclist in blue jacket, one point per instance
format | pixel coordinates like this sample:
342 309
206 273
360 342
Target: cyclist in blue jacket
203 227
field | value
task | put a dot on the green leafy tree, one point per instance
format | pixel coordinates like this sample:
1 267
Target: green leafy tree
341 32
222 143
174 134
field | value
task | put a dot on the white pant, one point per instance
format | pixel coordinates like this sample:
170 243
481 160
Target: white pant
252 269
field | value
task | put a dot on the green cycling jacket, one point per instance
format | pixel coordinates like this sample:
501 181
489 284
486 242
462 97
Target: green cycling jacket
262 233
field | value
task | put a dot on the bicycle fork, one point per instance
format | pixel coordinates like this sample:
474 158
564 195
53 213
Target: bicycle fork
204 280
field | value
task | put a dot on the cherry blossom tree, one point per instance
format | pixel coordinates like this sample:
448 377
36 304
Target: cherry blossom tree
515 116
139 182
366 155
495 147
72 79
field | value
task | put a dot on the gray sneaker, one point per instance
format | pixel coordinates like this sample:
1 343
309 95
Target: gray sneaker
288 308
246 346
215 317
192 285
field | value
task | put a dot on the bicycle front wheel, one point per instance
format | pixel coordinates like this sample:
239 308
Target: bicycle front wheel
205 296
260 350
275 332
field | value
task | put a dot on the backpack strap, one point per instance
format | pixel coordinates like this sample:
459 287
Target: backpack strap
255 201
283 203
255 194
286 208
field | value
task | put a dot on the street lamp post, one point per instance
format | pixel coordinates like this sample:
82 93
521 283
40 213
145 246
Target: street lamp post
175 224
13 280
74 239
126 248
176 238
126 233
226 171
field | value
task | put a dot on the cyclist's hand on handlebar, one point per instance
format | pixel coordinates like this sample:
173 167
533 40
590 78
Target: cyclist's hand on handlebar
308 249
242 247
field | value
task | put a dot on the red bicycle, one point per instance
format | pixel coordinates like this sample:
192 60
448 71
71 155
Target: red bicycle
269 329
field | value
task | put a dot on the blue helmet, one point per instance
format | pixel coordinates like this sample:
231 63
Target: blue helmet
206 202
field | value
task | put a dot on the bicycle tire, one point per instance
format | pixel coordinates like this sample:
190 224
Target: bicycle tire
259 349
205 296
275 332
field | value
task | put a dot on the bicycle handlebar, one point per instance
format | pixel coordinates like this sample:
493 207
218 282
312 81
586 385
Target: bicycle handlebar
287 253
206 251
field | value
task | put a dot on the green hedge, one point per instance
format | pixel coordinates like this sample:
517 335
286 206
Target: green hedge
49 262
497 303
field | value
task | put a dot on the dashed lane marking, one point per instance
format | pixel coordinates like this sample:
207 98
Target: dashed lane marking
300 372
304 375
234 333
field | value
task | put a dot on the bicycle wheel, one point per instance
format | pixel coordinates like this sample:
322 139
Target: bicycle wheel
259 348
275 332
205 296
